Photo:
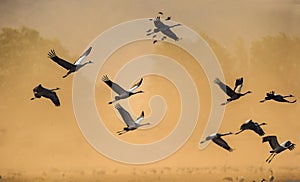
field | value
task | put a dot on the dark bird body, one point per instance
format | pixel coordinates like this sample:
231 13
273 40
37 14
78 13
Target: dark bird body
277 97
254 126
216 138
40 91
67 65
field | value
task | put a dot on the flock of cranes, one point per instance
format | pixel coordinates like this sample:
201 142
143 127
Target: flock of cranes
250 125
131 124
40 91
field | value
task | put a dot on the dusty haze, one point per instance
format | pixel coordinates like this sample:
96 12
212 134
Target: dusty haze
258 40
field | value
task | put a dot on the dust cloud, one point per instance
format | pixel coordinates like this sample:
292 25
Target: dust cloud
256 40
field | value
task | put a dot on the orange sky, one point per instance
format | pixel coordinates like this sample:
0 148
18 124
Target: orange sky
77 23
41 137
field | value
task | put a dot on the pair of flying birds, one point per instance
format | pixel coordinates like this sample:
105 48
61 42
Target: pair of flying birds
234 95
40 91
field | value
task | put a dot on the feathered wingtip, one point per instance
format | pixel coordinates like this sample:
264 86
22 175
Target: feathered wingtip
105 78
139 83
87 52
118 106
142 115
51 54
292 147
239 81
217 81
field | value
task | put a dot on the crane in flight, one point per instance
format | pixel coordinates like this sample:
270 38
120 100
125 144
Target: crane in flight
232 93
276 147
67 65
254 126
39 91
216 138
130 123
277 97
163 28
122 93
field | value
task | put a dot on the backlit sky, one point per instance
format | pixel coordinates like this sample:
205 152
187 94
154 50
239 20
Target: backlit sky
56 141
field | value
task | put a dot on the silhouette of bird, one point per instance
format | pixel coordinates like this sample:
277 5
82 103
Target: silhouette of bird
277 97
39 91
231 93
67 65
160 13
254 126
216 138
276 147
131 124
163 28
122 94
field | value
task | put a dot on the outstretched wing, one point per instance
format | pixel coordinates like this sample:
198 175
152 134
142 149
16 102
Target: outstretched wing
54 98
170 34
83 56
225 88
125 115
257 129
219 141
272 141
135 86
115 87
140 118
63 63
238 82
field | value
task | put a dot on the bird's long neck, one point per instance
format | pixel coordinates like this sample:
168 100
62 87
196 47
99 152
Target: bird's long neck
82 65
261 124
175 25
132 93
86 63
144 124
54 89
224 134
245 93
